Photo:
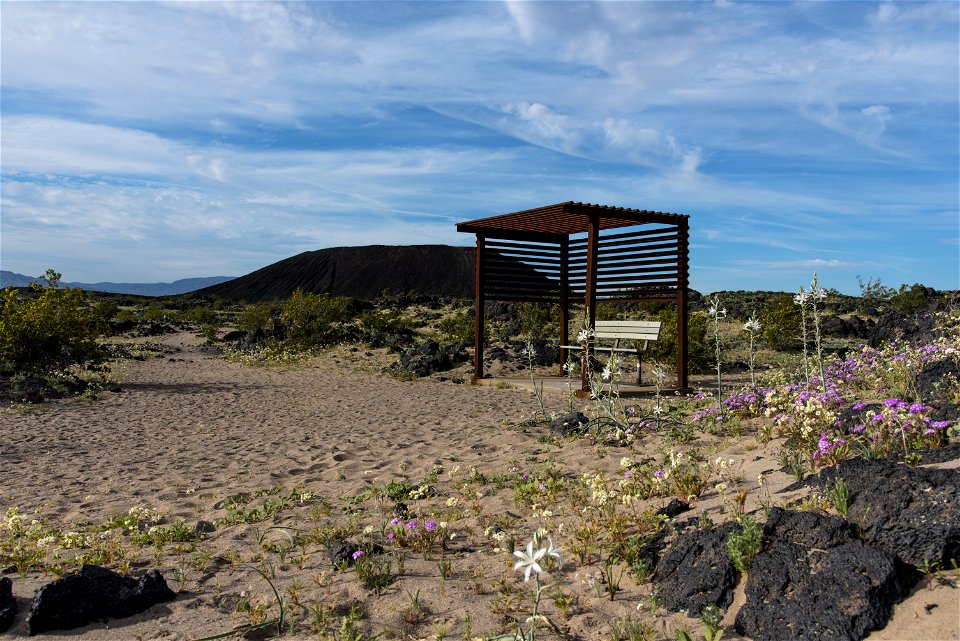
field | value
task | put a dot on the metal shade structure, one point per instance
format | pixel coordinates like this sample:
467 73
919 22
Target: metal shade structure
567 252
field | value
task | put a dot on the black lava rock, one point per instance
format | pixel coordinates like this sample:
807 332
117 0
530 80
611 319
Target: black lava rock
936 378
430 357
696 571
814 580
907 511
673 508
569 424
342 552
8 605
93 593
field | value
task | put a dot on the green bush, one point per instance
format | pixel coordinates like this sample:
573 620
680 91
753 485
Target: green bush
699 354
105 309
154 313
200 315
909 300
309 319
781 322
257 315
388 321
48 329
539 320
743 546
458 328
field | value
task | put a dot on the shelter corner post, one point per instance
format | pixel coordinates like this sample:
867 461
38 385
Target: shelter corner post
682 285
478 315
564 299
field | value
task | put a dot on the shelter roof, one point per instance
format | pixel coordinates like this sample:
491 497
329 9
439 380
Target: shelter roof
564 219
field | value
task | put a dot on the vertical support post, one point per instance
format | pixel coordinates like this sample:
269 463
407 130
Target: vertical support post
478 318
564 299
593 233
683 234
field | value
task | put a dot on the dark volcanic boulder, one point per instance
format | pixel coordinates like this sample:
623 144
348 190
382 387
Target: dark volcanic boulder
696 571
8 605
93 593
814 580
674 508
341 552
936 379
907 511
568 424
430 357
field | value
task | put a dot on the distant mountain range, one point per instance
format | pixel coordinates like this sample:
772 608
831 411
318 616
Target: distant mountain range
182 286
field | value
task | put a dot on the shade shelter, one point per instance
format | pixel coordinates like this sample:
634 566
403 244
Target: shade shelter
569 251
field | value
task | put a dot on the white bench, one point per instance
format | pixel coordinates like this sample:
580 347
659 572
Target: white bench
617 331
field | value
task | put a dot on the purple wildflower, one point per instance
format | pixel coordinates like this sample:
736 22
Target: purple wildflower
891 402
430 526
357 554
916 408
542 486
858 406
659 474
410 525
940 424
395 520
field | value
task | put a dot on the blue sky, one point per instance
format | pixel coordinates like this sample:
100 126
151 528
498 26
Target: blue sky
151 142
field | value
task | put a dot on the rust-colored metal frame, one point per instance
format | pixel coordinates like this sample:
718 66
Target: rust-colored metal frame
558 253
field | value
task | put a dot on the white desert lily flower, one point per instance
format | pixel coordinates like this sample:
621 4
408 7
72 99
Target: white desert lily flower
752 325
529 560
801 297
554 552
607 372
717 313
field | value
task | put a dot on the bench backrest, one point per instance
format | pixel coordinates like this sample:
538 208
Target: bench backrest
629 330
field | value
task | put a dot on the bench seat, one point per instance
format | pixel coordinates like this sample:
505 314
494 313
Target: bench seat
618 331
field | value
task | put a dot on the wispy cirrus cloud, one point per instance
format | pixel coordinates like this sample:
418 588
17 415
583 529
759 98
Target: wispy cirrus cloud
786 129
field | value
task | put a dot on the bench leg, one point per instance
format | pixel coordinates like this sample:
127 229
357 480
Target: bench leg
639 379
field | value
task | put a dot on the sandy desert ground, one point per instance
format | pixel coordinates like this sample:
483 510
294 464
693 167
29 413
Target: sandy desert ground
190 429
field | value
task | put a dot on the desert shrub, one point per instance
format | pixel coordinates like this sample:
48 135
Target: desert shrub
539 320
200 315
154 313
309 319
49 329
389 321
699 354
458 328
781 323
909 300
105 309
256 315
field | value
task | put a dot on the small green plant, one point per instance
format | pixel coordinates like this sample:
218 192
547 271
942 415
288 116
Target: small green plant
374 570
627 629
444 568
744 545
840 496
415 611
711 618
566 603
611 578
